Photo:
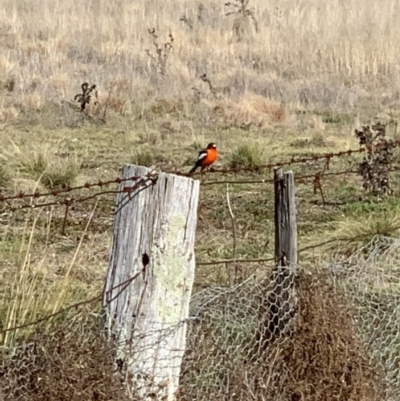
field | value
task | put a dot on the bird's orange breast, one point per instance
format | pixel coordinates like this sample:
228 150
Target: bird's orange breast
212 155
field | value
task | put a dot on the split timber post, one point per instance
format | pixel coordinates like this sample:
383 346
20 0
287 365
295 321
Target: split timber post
283 296
285 218
149 279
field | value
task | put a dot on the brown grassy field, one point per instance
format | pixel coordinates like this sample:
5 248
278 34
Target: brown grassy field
284 79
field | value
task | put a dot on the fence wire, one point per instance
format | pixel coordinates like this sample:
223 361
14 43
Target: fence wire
314 334
370 278
230 331
66 359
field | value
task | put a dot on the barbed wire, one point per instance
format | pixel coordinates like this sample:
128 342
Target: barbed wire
56 192
294 160
315 177
88 185
68 201
298 178
128 281
140 184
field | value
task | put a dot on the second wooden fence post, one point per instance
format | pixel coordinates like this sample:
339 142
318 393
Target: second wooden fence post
285 218
150 277
283 296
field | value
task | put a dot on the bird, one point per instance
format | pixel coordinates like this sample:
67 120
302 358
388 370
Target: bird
206 157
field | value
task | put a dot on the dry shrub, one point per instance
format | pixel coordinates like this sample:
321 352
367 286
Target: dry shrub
72 361
324 359
251 109
316 357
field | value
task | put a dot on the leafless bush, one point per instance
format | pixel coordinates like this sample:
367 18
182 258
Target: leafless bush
377 162
270 339
97 114
244 14
161 53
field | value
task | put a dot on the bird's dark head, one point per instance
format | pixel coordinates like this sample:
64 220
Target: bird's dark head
212 145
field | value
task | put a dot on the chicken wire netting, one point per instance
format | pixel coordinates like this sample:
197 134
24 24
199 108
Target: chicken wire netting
283 335
230 328
317 333
370 278
67 358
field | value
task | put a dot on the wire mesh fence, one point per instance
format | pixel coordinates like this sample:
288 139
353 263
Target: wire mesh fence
230 331
315 334
65 359
370 278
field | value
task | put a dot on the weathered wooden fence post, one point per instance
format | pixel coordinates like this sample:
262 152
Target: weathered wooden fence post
150 277
278 308
285 218
283 296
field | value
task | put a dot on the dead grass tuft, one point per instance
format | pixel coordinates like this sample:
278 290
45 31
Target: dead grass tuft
250 109
4 176
143 157
73 361
321 359
39 163
355 232
61 174
325 363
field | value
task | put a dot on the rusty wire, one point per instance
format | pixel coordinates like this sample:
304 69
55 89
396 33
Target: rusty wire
128 281
68 201
88 185
56 192
294 160
315 177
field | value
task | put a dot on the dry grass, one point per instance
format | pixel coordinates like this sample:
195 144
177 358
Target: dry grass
296 81
249 110
312 52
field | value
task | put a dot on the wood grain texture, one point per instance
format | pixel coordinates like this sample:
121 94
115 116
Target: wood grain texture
285 218
154 235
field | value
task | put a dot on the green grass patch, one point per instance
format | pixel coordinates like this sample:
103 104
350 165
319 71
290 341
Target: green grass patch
143 157
246 156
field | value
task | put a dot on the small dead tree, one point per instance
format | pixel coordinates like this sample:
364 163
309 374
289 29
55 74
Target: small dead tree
244 17
377 162
161 53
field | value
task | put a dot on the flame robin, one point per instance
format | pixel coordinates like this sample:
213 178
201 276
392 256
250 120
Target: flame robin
206 157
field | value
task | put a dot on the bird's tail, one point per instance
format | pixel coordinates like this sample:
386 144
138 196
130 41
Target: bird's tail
193 169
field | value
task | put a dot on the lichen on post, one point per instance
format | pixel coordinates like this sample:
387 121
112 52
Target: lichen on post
150 277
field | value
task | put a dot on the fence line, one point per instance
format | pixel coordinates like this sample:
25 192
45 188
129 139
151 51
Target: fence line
98 297
300 160
262 260
294 160
68 189
391 144
68 201
316 177
234 331
129 280
88 185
